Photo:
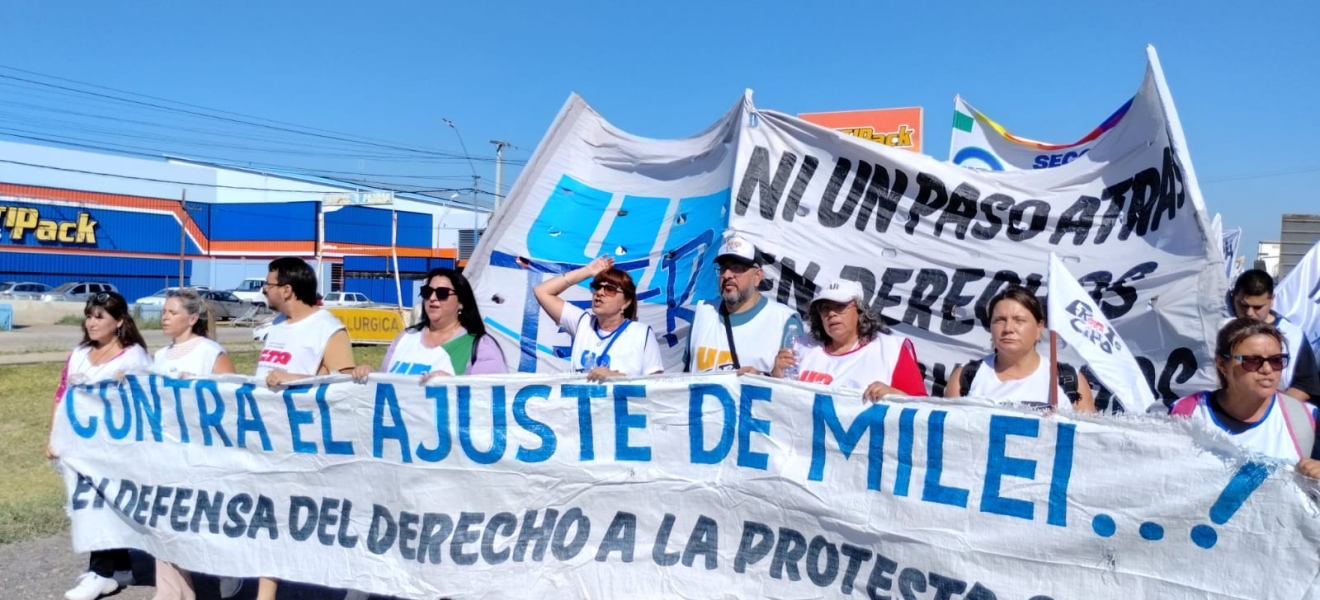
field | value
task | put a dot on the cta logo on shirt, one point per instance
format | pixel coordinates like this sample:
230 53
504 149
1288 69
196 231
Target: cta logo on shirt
275 357
713 358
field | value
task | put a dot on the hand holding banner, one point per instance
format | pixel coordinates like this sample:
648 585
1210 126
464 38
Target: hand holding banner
1076 319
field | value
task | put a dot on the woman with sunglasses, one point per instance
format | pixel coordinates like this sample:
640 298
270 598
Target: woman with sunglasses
111 346
608 341
1248 406
854 349
449 338
187 320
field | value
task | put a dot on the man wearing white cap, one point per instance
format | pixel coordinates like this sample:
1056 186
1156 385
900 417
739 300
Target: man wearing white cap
744 330
854 347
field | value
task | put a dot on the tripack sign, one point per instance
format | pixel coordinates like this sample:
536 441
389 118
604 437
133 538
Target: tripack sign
713 486
896 127
19 222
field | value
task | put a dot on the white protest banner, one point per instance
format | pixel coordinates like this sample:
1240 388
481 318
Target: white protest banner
1079 322
931 243
1297 297
679 487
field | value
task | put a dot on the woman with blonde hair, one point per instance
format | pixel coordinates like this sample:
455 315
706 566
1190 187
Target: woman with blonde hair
187 320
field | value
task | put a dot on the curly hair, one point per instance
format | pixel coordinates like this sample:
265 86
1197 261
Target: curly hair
868 325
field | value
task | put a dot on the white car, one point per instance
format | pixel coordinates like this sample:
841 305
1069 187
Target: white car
259 332
334 299
250 290
158 298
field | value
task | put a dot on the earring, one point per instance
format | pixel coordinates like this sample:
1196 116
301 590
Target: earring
119 331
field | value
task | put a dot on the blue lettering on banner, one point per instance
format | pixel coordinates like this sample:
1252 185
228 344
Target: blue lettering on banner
178 385
537 428
871 422
934 491
443 442
498 426
146 408
999 464
249 417
386 400
747 425
327 427
211 419
1046 161
120 431
625 421
584 395
697 452
297 418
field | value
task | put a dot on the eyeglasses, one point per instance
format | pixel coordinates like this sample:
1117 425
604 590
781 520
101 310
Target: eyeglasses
609 289
266 284
828 307
441 293
1253 363
735 267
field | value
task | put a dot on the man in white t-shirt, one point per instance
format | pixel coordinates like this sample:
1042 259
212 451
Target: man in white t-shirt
307 340
756 325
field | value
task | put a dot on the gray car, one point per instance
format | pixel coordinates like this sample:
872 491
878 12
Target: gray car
224 305
77 291
22 290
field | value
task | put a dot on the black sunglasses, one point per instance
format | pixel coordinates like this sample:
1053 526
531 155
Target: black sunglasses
441 293
1253 363
609 288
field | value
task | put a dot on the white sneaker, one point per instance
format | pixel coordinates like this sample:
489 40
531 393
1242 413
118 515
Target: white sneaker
229 586
355 595
125 578
91 586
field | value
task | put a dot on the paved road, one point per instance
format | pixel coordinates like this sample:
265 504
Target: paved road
51 343
44 569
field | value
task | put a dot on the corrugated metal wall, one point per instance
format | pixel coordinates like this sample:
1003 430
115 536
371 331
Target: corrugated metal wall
134 277
373 276
120 230
362 225
1297 234
289 221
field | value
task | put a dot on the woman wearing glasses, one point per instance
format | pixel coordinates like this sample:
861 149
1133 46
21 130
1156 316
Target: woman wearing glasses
449 339
111 346
608 341
1249 358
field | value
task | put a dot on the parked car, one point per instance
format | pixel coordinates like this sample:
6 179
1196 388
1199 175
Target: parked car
158 298
77 291
22 290
346 299
250 290
224 305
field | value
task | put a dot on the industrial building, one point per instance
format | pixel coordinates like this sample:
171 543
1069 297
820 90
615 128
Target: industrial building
142 225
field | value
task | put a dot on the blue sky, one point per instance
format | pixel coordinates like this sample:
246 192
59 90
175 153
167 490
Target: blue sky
1242 79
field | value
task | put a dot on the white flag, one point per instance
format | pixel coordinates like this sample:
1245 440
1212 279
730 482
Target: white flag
1074 316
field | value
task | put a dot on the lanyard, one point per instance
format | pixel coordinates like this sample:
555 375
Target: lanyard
613 338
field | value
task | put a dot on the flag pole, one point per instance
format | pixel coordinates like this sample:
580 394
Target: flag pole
1054 370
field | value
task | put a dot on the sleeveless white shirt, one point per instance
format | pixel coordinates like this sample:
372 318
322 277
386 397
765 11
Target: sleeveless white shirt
412 357
757 340
856 369
79 369
199 360
631 350
1032 389
1269 436
298 347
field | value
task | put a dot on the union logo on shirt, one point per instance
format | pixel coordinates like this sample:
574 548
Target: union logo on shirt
816 377
275 357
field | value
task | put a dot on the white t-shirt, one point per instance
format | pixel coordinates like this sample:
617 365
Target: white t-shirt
631 349
198 358
1269 436
412 357
1032 389
758 334
857 368
79 369
298 347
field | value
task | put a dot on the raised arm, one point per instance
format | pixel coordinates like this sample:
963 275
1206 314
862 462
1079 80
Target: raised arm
548 291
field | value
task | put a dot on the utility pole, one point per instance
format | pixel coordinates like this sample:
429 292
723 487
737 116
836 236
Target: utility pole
476 181
499 173
183 233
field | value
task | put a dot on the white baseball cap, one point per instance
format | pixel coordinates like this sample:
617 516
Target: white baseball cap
736 246
841 291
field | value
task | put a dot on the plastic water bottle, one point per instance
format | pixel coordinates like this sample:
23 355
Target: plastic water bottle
792 340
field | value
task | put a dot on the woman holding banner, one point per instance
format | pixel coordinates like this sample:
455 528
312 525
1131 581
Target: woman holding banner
110 347
1248 406
186 318
1015 371
449 338
608 341
855 349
